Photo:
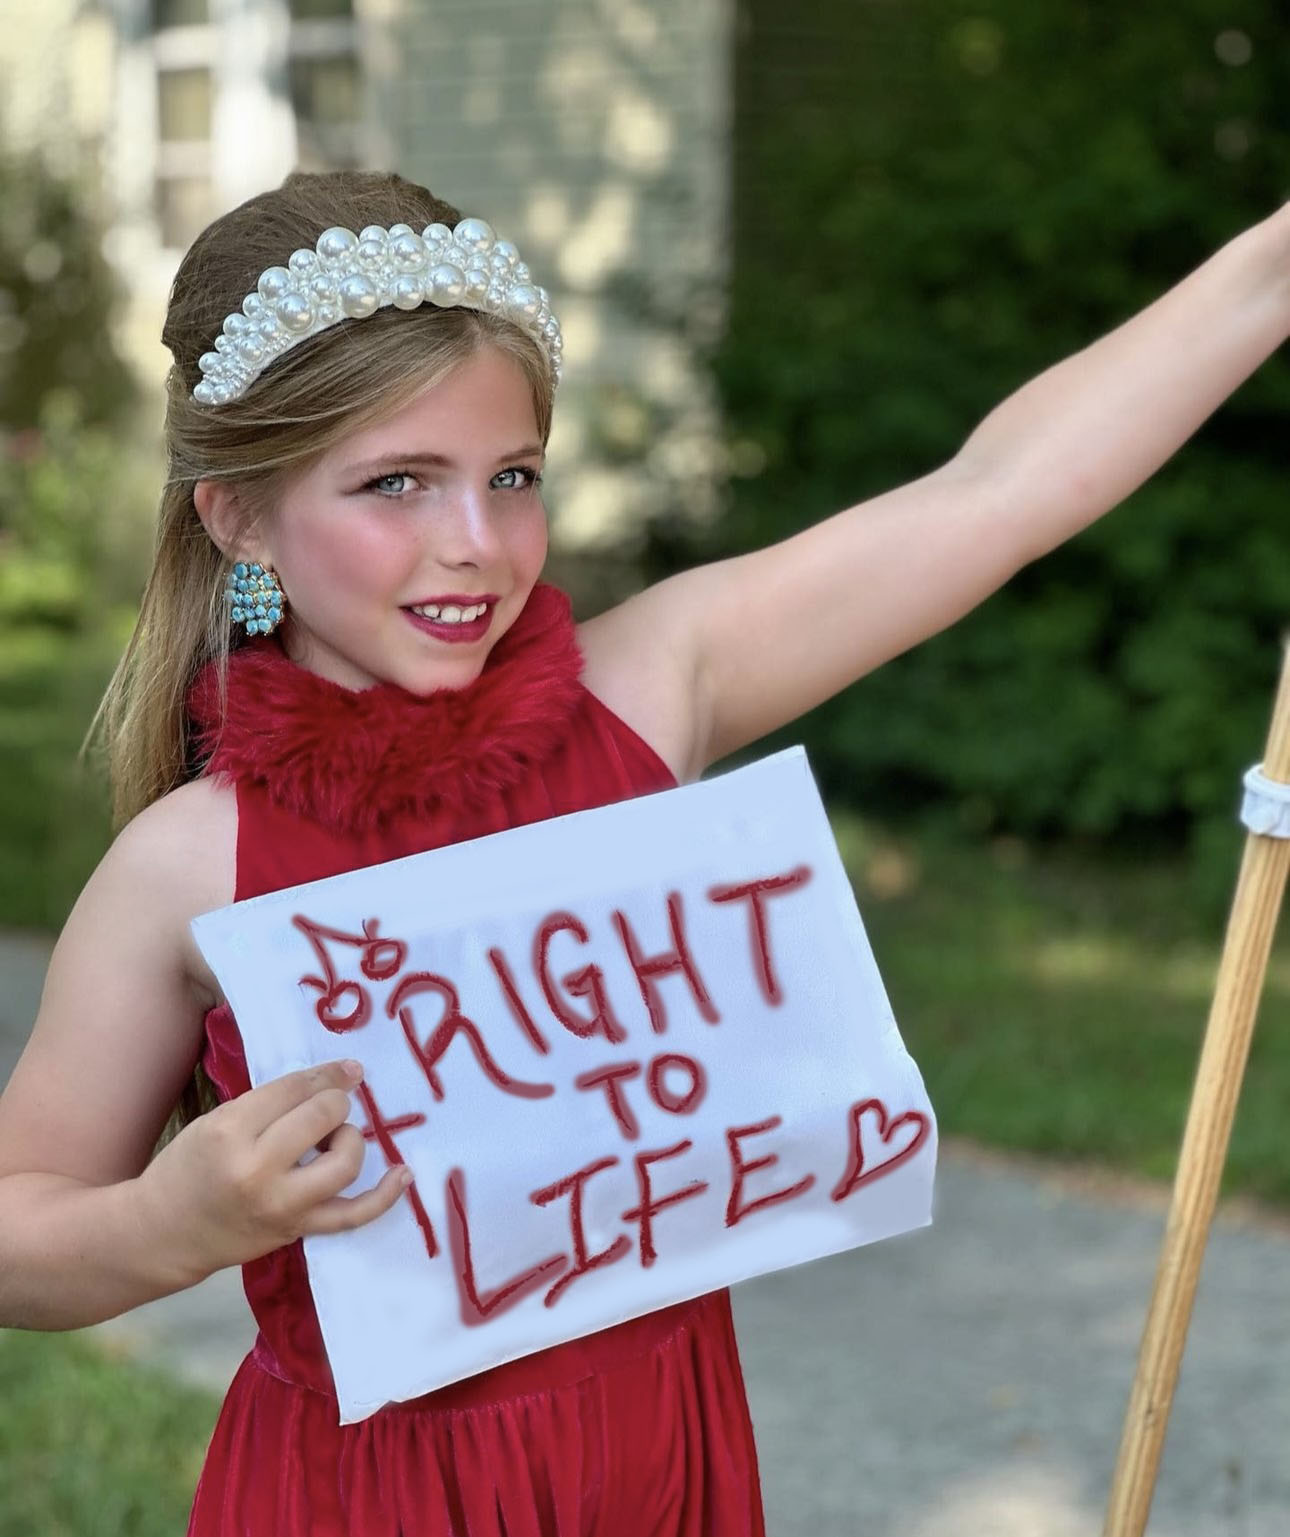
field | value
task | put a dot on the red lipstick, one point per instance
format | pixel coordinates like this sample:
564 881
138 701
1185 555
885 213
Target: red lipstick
458 633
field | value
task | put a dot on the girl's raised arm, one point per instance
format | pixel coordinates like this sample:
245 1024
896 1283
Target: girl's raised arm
755 641
88 1227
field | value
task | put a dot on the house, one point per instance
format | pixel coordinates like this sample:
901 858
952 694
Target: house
594 133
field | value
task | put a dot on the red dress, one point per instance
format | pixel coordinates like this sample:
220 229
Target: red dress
640 1429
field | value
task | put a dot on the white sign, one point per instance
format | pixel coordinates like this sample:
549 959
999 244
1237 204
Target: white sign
631 1056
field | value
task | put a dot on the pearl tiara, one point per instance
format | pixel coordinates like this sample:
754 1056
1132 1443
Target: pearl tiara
348 277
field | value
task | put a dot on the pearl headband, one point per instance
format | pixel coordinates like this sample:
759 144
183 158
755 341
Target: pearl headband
348 277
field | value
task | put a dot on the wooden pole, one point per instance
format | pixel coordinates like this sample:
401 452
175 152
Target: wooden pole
1241 971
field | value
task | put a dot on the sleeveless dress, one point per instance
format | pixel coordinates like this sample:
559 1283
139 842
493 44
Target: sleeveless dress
641 1430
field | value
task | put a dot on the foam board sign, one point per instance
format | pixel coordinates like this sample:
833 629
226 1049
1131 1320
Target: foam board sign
631 1056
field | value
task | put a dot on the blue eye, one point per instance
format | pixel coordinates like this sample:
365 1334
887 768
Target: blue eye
391 485
396 484
528 479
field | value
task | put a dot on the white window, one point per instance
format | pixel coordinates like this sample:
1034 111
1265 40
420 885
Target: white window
183 46
325 84
179 13
319 80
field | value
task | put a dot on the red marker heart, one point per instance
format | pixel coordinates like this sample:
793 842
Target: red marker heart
856 1172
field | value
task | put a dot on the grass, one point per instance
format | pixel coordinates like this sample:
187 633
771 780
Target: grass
1056 1003
94 1446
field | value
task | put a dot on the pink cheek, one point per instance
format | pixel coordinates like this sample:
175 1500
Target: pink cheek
533 548
361 557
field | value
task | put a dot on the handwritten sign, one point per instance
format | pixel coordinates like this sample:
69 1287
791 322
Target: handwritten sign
630 1056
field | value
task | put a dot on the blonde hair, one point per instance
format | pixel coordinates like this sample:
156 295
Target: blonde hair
339 381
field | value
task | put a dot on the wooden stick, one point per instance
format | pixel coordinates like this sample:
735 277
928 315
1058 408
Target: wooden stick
1239 985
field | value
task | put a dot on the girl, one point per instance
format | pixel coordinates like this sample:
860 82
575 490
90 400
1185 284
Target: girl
360 444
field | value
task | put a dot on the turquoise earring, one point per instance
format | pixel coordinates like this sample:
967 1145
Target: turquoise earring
255 597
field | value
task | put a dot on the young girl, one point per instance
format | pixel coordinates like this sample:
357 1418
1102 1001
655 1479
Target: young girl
355 459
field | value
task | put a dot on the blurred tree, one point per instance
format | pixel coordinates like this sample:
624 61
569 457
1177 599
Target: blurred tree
56 299
73 547
934 201
72 541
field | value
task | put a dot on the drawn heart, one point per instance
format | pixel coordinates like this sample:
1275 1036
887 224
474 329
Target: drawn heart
858 1172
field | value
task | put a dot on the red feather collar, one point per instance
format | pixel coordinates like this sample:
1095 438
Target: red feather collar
355 759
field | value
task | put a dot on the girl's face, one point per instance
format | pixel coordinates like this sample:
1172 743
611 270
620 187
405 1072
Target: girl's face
383 542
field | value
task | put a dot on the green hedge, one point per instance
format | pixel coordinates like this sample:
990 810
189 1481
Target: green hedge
75 493
57 293
75 537
934 201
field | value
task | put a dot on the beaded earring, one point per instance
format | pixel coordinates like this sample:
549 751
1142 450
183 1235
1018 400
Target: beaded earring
255 597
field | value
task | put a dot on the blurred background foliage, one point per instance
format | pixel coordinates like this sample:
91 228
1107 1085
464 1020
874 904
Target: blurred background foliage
75 486
57 293
934 202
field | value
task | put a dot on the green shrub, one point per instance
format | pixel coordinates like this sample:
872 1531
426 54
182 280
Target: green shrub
73 536
73 543
933 202
57 294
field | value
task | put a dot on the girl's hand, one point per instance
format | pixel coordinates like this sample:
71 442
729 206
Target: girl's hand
231 1187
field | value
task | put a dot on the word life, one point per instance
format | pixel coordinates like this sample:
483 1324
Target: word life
873 1142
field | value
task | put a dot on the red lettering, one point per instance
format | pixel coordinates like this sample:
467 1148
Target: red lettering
856 1174
756 892
649 1207
329 1009
589 982
478 1307
379 959
609 1078
572 1186
678 958
454 1022
511 993
382 1132
663 1097
736 1211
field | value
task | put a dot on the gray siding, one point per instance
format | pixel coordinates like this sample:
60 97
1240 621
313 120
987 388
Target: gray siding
595 135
